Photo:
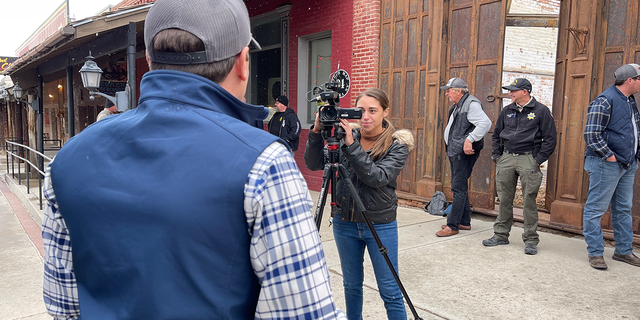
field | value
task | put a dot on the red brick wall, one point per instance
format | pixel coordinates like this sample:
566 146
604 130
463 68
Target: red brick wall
366 35
305 18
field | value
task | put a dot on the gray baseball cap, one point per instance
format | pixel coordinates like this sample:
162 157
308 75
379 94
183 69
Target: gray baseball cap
454 83
627 71
222 25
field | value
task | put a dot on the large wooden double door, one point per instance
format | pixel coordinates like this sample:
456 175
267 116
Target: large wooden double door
423 44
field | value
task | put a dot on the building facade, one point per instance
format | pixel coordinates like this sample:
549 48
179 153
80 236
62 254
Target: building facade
407 48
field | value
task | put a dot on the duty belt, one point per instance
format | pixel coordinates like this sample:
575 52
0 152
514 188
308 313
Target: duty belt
518 154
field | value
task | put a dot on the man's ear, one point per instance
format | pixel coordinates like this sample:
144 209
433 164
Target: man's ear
146 54
242 64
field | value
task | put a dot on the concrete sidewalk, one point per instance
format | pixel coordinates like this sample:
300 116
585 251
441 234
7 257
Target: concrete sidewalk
458 278
21 263
446 278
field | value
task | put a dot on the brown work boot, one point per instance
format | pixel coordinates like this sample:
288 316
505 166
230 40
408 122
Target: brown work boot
628 258
460 226
446 232
597 262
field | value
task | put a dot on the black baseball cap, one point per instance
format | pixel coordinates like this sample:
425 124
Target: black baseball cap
519 84
283 100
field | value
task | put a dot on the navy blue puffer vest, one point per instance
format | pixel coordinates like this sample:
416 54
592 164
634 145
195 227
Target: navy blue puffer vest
619 131
153 200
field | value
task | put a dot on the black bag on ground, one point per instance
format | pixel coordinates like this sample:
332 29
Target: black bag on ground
437 205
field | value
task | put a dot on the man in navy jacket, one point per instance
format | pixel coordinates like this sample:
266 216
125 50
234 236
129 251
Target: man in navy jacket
180 209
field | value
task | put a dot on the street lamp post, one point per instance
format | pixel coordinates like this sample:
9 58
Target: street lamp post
91 74
18 92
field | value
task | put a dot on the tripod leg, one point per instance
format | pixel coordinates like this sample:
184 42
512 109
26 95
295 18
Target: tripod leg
328 170
342 172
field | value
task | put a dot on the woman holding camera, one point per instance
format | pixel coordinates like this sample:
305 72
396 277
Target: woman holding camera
373 155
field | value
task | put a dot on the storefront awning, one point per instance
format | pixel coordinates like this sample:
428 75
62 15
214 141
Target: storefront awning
102 35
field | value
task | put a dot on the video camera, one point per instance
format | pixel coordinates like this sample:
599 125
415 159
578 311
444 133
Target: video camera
331 113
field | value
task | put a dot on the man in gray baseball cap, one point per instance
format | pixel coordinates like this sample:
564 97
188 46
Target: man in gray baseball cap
193 213
611 160
464 138
454 83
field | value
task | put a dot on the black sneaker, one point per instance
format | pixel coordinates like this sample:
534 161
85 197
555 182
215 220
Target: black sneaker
493 241
530 248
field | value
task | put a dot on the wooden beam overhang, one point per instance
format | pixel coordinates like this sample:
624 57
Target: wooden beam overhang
532 20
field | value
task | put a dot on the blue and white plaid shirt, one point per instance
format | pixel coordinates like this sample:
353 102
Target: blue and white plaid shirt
598 115
278 243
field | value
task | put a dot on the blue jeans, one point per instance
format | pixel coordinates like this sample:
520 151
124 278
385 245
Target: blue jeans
608 183
461 168
351 239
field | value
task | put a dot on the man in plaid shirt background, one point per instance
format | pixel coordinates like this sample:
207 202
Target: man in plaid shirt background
611 136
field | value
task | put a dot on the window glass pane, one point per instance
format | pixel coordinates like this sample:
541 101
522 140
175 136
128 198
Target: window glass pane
266 82
267 33
265 67
319 70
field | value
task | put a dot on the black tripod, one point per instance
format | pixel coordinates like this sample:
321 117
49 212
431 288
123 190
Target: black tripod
331 170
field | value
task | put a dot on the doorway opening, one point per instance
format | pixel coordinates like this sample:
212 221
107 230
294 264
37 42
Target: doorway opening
268 64
530 46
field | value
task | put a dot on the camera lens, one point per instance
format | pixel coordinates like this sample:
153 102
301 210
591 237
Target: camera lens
330 113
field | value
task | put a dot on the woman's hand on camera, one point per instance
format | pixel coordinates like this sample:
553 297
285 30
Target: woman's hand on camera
348 134
316 124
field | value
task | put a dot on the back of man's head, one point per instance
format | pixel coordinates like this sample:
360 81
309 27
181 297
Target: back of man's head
109 105
202 37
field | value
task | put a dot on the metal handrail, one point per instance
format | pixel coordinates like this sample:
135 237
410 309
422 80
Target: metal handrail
14 139
13 149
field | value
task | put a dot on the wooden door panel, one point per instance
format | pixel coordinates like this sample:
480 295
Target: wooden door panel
398 45
487 78
430 139
396 96
460 36
475 55
416 56
385 51
409 94
616 22
412 43
424 40
489 31
612 61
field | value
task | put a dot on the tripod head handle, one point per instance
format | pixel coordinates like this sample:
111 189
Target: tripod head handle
332 131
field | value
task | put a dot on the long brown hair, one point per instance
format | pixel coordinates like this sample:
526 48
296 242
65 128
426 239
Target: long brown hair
386 138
